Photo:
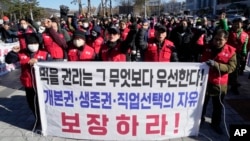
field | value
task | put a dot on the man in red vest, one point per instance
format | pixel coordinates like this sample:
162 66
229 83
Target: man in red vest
221 58
113 50
238 39
159 49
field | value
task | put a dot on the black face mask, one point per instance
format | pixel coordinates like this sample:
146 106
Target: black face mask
184 28
111 44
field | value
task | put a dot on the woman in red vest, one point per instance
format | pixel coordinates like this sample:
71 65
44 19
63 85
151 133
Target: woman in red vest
221 58
27 58
79 50
25 29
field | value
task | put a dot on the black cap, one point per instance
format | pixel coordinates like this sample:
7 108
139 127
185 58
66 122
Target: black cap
161 28
79 34
114 30
97 29
237 20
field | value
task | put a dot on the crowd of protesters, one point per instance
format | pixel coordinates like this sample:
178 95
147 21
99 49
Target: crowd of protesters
222 44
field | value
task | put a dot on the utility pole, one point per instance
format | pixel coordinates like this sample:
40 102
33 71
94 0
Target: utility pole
30 6
145 9
214 7
80 7
159 6
110 8
89 7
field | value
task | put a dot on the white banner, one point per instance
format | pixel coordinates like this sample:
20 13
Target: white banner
4 49
121 101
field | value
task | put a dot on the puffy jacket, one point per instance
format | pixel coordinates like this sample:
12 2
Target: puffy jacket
222 57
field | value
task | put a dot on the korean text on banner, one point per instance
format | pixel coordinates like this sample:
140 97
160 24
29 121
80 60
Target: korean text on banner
117 101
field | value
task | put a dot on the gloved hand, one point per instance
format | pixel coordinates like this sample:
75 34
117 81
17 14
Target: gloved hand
211 63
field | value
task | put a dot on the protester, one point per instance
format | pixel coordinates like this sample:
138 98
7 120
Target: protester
124 29
182 36
239 40
96 40
113 50
25 29
160 49
79 50
221 58
8 34
28 57
54 42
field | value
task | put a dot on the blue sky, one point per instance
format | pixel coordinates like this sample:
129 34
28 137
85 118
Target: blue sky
56 3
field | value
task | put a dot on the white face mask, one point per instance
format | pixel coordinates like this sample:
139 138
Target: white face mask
78 42
41 29
33 47
85 25
25 26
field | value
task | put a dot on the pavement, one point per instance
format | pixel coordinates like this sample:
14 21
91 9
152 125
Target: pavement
16 119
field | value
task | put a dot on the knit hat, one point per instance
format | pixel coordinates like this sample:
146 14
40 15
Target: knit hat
79 34
32 39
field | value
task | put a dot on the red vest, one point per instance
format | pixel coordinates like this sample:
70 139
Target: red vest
151 34
21 37
223 57
124 34
153 54
26 77
52 47
87 54
200 41
114 54
236 42
97 43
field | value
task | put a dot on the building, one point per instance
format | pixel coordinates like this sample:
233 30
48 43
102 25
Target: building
213 6
154 7
174 7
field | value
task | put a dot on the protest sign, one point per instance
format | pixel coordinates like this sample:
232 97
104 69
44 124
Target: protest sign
119 100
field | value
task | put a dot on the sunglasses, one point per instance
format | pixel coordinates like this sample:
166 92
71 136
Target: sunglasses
113 32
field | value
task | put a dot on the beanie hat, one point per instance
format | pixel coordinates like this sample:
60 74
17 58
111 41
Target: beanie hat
32 39
79 34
